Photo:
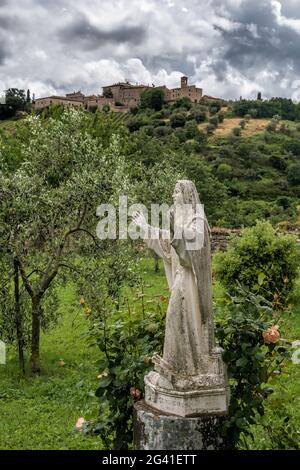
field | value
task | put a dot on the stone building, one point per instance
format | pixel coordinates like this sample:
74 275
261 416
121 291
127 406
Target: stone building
126 93
130 95
41 103
76 95
185 91
124 96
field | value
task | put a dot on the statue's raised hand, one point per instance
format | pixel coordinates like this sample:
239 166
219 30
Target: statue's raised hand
139 219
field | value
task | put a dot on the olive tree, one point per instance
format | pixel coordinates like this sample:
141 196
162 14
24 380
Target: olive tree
48 207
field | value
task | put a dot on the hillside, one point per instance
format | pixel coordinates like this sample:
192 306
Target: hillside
245 168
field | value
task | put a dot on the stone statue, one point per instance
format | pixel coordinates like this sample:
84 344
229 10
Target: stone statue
190 378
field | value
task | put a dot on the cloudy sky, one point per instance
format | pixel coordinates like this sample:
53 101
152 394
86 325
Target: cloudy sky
231 48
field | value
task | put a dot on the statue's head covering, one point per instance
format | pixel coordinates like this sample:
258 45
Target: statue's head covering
191 197
189 192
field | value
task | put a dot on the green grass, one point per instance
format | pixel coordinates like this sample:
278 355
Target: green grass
40 413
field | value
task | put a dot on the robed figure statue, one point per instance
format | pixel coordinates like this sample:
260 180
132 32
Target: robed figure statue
190 378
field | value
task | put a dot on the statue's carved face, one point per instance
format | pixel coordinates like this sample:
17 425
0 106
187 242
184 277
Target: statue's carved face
177 195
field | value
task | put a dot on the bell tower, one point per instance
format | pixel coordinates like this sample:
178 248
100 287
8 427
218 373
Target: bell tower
184 82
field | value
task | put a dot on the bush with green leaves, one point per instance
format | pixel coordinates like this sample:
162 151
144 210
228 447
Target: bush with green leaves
177 120
200 115
127 339
237 131
251 360
293 176
214 121
221 117
210 128
262 259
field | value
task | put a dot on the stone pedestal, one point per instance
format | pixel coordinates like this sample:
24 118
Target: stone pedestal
189 396
154 430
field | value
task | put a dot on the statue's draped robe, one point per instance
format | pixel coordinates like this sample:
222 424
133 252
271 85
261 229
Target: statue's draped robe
189 328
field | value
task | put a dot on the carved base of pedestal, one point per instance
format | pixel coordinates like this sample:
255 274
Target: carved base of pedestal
182 395
190 403
156 431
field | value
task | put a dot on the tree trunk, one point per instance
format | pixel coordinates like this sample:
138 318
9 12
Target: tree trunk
35 336
18 318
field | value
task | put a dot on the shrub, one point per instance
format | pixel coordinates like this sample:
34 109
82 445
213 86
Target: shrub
272 126
199 116
224 171
180 134
241 331
134 125
261 259
126 340
278 162
214 121
177 120
243 124
210 128
221 117
149 130
236 131
158 122
191 129
294 174
293 147
184 102
162 131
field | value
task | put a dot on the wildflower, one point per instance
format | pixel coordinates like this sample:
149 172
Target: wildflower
104 374
87 311
271 335
82 301
79 423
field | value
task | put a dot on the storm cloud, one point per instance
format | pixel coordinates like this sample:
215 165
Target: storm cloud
228 47
88 36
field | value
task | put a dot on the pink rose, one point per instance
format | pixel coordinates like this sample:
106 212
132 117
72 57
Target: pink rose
271 335
79 423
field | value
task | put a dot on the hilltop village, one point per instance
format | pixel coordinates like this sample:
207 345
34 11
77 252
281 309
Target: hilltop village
122 96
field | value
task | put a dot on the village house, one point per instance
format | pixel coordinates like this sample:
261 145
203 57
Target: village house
122 96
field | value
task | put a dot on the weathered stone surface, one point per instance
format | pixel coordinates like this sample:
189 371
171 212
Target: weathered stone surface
156 431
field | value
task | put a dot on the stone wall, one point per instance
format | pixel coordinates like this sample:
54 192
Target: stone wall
220 236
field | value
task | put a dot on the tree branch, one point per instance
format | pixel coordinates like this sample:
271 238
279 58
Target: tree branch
24 277
48 278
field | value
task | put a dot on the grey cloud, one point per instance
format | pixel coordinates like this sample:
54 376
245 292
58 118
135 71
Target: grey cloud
275 46
168 62
88 36
3 55
9 22
56 47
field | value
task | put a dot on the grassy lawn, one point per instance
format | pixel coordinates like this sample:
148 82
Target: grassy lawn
40 413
